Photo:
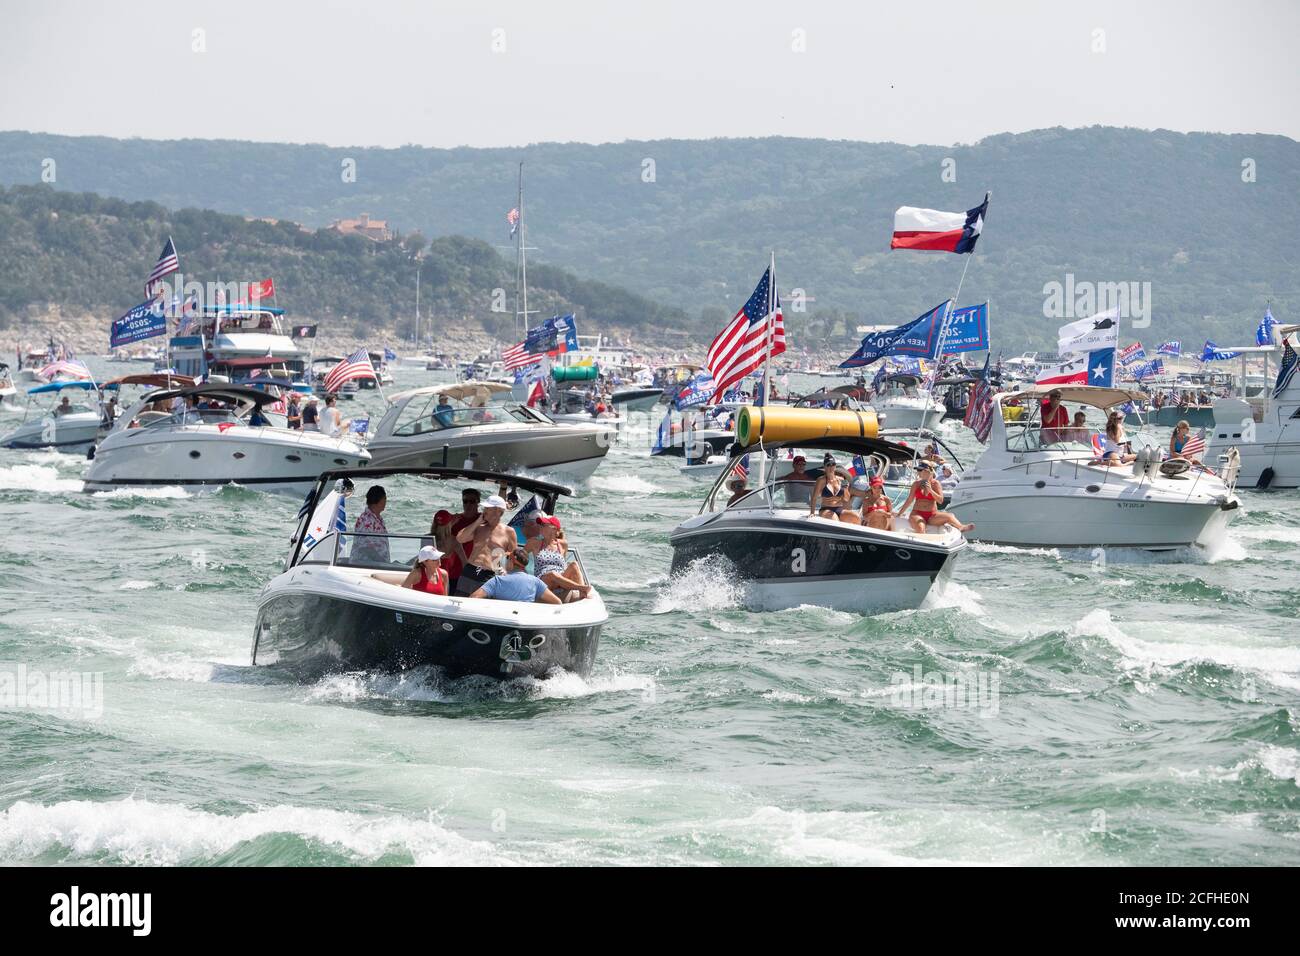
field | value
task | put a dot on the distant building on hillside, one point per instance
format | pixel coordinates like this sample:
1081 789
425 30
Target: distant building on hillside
376 229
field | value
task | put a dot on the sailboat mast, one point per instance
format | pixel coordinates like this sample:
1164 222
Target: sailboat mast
521 269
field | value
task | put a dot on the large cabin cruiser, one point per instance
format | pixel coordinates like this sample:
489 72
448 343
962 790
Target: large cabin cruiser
63 422
785 556
1265 430
1043 487
339 604
444 425
232 340
205 435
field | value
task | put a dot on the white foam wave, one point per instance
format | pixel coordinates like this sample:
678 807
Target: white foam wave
623 484
182 669
1280 762
167 491
787 697
707 584
42 478
986 547
954 594
145 832
137 585
429 684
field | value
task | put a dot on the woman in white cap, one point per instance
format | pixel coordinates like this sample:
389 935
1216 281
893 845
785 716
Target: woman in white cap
428 575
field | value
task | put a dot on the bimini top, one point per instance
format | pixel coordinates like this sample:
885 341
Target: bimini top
61 385
230 393
451 474
1093 395
479 391
151 380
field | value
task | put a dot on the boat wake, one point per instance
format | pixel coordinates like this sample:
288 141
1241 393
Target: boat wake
429 684
709 583
45 479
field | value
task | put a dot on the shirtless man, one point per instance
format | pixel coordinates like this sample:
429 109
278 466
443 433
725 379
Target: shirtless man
486 540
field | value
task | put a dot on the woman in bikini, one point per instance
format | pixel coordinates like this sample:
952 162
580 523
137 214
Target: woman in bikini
428 575
924 498
831 496
551 564
877 509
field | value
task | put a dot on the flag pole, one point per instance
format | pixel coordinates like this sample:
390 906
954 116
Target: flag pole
772 299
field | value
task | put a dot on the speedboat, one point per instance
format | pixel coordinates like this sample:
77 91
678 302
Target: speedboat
7 390
1043 487
154 444
903 402
1264 430
443 425
339 605
636 398
66 427
784 557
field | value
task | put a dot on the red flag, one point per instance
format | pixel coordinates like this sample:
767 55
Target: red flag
537 393
261 290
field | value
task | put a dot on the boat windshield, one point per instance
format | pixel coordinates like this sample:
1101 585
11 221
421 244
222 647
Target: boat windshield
1023 437
190 416
437 412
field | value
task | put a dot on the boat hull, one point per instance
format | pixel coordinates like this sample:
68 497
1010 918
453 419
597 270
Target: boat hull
1088 520
198 456
910 417
309 634
637 399
70 433
571 451
787 562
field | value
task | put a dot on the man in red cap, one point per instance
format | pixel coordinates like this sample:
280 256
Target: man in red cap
1055 418
799 482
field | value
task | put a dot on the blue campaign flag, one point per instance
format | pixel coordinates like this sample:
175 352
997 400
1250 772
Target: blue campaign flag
1212 353
556 334
664 437
697 391
359 426
1264 334
143 322
389 355
918 338
1174 348
967 330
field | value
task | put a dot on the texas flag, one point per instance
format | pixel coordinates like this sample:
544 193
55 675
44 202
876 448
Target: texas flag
932 230
1096 368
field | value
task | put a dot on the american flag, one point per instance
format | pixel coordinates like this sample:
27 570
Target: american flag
979 411
741 347
519 356
168 263
357 365
1195 445
742 468
1286 371
69 368
512 217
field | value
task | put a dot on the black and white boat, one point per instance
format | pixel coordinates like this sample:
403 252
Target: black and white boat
338 607
785 557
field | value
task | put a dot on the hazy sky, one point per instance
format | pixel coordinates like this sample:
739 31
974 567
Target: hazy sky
388 72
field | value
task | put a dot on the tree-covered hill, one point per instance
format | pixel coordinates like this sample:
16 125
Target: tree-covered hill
688 224
81 251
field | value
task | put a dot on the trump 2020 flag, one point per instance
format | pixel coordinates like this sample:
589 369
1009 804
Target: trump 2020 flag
918 338
932 230
144 321
1264 334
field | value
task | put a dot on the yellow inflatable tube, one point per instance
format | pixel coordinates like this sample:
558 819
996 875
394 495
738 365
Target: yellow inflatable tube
776 423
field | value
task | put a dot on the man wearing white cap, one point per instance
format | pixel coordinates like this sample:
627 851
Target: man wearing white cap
491 541
427 575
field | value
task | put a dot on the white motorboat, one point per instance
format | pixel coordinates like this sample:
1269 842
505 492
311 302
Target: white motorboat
904 402
784 556
339 604
8 392
444 425
153 444
1048 488
62 424
1265 429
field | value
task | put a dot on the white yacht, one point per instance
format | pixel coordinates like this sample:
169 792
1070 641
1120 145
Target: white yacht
1264 429
904 402
223 443
1047 487
443 425
64 424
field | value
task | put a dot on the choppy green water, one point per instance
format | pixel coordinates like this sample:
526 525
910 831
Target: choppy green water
1143 712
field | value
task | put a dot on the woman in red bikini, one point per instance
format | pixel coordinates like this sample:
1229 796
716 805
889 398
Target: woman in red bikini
428 575
926 493
877 509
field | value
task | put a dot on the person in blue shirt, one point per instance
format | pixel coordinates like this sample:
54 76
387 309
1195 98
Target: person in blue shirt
517 584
